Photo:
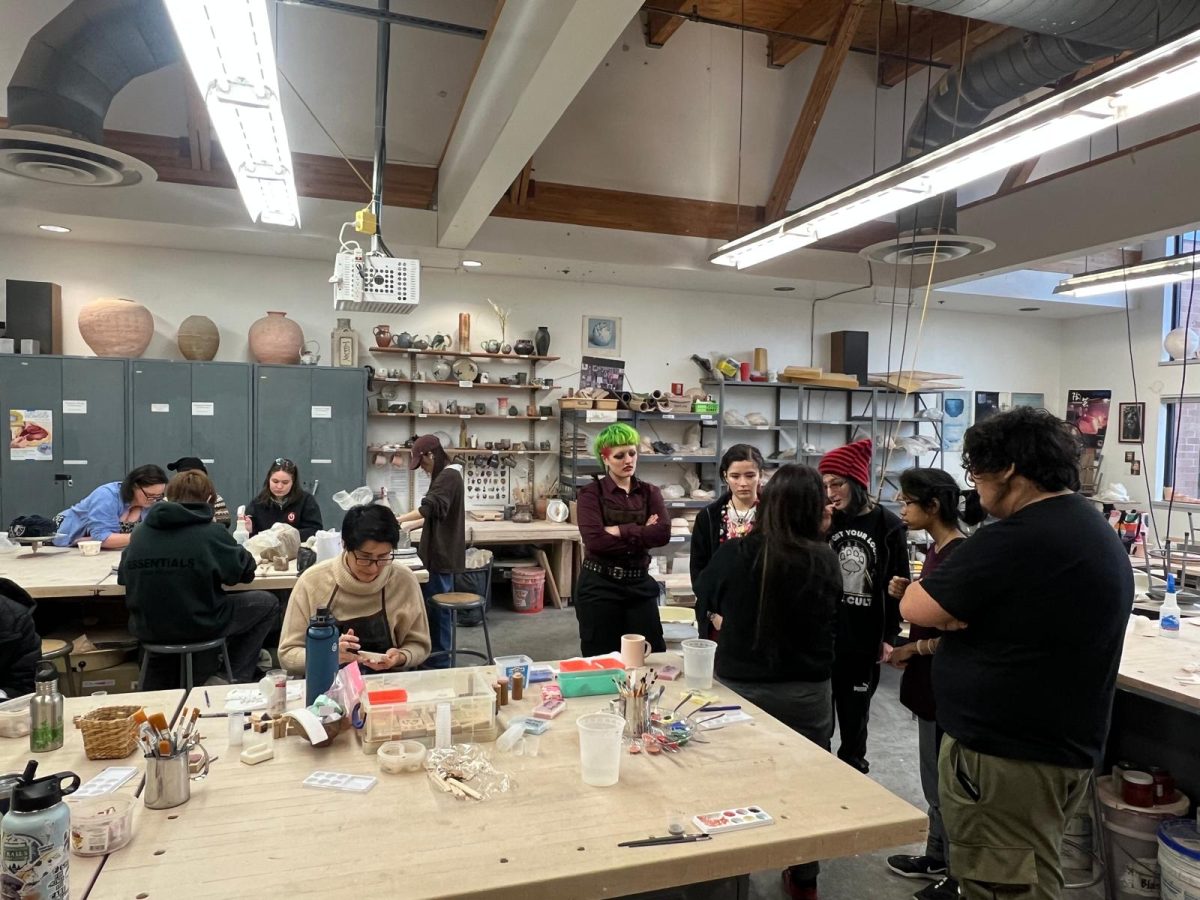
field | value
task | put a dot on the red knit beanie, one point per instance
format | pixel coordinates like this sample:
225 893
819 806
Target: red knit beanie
852 461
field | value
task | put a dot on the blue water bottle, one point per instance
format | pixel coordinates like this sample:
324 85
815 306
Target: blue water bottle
320 654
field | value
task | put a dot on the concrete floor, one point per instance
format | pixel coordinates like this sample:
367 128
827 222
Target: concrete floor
892 751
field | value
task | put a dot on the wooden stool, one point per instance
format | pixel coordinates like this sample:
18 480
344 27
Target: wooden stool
455 601
185 653
53 649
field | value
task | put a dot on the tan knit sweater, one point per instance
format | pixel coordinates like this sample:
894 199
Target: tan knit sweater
405 608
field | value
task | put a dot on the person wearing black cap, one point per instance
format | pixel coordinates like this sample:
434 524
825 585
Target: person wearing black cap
442 518
195 464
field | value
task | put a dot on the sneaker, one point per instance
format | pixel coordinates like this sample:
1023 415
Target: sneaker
797 890
946 889
917 867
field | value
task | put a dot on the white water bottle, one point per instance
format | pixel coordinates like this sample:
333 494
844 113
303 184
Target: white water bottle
241 533
1168 616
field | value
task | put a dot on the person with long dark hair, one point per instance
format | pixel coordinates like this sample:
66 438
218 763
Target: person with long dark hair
111 512
732 515
283 500
870 545
442 518
777 591
929 501
621 518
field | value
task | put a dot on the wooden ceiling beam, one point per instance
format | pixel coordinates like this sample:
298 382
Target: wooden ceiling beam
935 36
659 25
819 92
815 18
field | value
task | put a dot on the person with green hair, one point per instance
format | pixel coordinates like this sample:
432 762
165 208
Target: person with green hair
620 519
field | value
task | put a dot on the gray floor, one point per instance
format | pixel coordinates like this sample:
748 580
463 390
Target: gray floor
552 634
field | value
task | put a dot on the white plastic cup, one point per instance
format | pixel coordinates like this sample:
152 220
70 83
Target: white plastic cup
698 658
600 748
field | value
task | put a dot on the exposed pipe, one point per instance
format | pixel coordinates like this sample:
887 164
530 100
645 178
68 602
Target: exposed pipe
392 18
383 52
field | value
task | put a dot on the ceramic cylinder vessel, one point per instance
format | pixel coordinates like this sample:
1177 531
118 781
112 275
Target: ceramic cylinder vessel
115 326
276 339
198 338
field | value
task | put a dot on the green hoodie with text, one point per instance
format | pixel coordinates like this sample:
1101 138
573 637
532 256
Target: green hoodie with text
173 570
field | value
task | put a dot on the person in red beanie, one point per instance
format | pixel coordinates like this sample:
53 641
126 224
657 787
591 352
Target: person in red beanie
870 545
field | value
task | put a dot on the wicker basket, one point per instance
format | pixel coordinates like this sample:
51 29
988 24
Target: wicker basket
108 732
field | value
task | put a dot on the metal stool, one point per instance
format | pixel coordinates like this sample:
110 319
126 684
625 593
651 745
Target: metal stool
185 653
53 649
456 601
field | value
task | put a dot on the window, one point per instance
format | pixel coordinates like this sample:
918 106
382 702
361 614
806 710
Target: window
1185 292
1182 462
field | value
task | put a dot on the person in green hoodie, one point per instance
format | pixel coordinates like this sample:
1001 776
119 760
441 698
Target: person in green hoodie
174 570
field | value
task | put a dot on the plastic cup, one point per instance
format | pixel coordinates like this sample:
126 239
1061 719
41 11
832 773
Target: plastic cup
698 658
600 748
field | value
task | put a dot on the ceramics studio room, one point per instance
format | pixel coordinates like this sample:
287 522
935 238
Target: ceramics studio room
570 449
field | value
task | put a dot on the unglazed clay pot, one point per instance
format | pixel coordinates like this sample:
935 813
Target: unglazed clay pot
198 338
276 339
114 326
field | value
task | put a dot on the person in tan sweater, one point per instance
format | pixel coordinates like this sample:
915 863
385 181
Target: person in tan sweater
378 605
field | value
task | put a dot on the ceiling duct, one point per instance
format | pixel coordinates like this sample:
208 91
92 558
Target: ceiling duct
1063 36
63 85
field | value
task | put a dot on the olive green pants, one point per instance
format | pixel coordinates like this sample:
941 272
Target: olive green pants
1004 820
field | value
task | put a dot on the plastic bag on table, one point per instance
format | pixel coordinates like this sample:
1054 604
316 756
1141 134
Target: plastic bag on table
279 542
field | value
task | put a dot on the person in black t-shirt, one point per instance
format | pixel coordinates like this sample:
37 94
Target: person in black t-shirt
1035 608
870 546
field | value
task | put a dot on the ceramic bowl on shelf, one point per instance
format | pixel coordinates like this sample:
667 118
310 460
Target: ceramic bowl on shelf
464 369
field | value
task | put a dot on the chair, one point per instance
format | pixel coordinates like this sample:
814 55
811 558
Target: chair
53 649
185 652
459 600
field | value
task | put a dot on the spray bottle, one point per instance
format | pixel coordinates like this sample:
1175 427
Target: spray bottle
1168 616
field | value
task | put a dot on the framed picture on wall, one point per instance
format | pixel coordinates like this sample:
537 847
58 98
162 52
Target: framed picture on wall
601 336
1132 417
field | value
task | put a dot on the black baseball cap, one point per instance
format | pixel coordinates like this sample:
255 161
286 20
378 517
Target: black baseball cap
187 464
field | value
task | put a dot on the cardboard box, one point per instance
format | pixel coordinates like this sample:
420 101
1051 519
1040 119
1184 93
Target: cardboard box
121 679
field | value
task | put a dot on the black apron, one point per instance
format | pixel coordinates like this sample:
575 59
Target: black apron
373 632
612 514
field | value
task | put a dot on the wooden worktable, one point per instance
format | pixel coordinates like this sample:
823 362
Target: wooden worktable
1149 666
560 564
248 831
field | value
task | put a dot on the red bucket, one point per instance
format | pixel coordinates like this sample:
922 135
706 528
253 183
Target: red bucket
528 588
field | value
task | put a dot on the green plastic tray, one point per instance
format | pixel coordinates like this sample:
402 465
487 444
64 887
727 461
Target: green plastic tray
590 683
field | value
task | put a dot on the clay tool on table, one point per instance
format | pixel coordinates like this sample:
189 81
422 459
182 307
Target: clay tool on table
686 697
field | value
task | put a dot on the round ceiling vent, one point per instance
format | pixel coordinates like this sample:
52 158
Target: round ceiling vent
924 249
63 160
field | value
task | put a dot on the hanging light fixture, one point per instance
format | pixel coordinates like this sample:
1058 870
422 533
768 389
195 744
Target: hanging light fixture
1168 270
1155 79
229 50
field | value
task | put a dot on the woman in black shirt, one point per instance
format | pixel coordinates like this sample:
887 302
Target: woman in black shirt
283 500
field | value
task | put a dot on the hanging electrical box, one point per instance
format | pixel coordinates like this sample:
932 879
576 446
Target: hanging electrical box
376 284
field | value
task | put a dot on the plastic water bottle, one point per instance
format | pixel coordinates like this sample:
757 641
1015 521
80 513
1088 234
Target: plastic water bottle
320 655
1168 616
35 834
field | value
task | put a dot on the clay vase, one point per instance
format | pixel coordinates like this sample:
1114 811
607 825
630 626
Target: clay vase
198 338
276 339
541 341
383 335
114 326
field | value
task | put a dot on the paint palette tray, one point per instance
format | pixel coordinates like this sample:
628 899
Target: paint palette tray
106 782
340 781
732 819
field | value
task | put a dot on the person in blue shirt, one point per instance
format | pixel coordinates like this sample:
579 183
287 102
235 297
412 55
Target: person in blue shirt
109 513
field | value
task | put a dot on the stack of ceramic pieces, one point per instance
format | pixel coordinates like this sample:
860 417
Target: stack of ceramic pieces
679 527
579 445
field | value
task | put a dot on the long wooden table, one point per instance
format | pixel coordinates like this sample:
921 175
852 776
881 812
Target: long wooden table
1150 664
14 754
560 562
251 831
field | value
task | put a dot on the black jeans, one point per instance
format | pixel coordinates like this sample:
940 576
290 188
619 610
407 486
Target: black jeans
854 682
607 609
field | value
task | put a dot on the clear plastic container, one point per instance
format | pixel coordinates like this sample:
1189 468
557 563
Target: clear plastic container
101 825
403 706
401 756
506 665
14 717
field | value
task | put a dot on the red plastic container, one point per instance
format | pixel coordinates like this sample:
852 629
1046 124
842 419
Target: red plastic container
528 588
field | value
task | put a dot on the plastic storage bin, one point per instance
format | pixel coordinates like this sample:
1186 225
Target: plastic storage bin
14 717
528 588
586 678
506 665
403 706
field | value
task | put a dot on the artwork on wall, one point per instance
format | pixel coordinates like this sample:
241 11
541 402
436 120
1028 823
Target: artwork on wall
1135 468
601 372
31 434
956 416
1132 417
987 404
602 335
1036 401
1087 412
1129 457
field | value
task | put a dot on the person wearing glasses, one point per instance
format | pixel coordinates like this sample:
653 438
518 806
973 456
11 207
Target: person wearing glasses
1033 608
377 605
442 518
174 570
110 512
283 500
870 545
621 518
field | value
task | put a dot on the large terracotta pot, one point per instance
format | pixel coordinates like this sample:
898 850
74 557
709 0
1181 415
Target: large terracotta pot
198 338
276 339
114 326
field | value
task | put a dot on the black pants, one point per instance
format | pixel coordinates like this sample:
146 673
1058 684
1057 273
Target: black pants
854 683
607 609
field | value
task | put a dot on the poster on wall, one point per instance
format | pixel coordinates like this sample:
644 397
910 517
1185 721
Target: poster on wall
602 335
31 434
987 404
1132 417
597 372
1035 401
1087 413
956 416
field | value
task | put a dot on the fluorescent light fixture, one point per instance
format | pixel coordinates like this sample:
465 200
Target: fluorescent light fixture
1155 79
229 50
56 229
1169 270
471 264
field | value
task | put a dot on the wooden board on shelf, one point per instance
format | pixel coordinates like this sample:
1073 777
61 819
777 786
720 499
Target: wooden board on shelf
409 415
803 372
471 386
829 379
501 357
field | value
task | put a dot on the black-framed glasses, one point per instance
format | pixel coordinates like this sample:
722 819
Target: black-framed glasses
153 498
364 560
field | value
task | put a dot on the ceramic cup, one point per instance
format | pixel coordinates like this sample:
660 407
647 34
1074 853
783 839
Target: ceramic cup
89 548
634 648
480 409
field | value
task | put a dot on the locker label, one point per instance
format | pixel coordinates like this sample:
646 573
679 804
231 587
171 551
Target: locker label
203 409
601 415
466 384
319 462
207 462
322 412
75 407
74 462
160 407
